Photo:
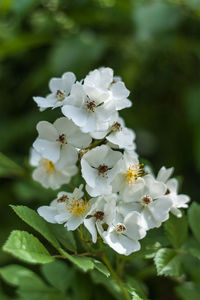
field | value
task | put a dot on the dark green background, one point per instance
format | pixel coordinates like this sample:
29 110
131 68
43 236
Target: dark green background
153 45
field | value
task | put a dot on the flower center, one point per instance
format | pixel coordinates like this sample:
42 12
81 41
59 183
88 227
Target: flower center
102 169
62 138
120 228
167 192
77 207
63 198
133 172
60 95
116 127
99 215
48 165
91 105
146 200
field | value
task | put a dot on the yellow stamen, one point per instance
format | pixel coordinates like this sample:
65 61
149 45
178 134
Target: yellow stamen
48 165
133 172
77 207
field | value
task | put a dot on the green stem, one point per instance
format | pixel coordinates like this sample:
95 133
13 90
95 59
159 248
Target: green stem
96 143
117 279
120 266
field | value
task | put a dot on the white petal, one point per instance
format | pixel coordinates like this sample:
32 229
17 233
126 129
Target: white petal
135 226
155 188
48 213
122 244
90 225
35 157
101 187
89 174
172 185
49 150
45 102
78 115
175 211
62 217
74 222
157 212
68 157
164 174
119 90
47 131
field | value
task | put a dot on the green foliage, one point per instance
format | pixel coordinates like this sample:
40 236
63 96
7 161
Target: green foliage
26 247
193 218
188 291
17 275
9 168
176 230
168 262
58 274
38 223
86 263
108 283
66 238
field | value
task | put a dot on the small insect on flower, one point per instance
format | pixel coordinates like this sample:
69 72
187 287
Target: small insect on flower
62 199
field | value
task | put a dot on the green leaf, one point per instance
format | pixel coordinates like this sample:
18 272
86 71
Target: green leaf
30 285
101 267
188 291
38 223
9 168
193 218
3 296
195 252
26 247
58 274
136 289
109 283
83 263
176 230
65 237
17 275
168 262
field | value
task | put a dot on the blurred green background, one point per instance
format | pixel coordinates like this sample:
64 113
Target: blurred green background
153 45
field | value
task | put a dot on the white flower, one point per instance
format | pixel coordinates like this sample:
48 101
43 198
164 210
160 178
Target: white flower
129 178
68 208
151 202
102 212
99 79
124 233
117 134
86 107
53 175
103 80
119 94
58 136
99 167
60 89
179 200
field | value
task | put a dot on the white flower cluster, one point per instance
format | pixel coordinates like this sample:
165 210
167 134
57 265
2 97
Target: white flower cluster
121 201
